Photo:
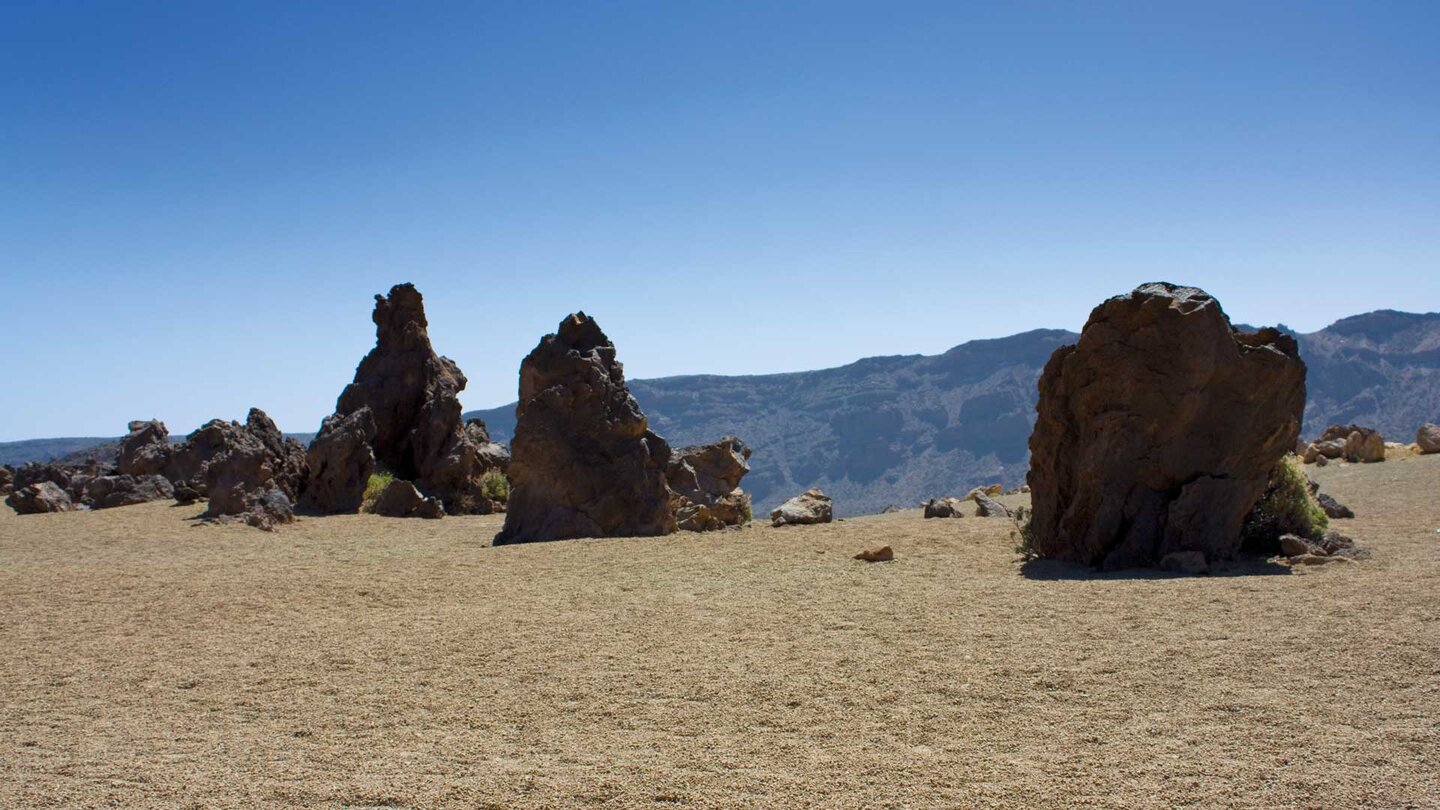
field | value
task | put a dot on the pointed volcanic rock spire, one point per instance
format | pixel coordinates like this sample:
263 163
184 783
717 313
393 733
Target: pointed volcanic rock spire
413 395
586 463
1156 433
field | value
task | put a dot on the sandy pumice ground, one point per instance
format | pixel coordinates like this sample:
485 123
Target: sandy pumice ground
363 662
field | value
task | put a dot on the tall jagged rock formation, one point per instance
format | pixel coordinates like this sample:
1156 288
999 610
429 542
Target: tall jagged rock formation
585 462
413 397
1157 431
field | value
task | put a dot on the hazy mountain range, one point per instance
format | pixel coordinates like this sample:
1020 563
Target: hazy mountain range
895 430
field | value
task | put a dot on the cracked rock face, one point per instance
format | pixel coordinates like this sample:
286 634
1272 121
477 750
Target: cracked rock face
1157 431
705 480
584 460
412 394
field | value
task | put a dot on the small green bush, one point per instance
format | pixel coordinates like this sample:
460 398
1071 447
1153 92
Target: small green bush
495 486
1286 508
1026 547
376 485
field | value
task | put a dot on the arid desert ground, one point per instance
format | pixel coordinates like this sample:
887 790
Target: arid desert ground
356 661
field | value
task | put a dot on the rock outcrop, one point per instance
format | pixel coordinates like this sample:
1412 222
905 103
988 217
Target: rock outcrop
341 462
584 461
1427 438
811 506
258 475
413 397
146 450
38 498
7 480
111 491
1351 442
706 483
1157 431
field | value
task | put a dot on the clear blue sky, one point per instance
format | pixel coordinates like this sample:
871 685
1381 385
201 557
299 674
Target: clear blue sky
198 200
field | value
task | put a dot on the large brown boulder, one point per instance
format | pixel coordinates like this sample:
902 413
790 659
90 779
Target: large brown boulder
1157 432
585 462
34 473
1427 438
341 462
38 498
146 450
7 479
706 483
413 396
257 471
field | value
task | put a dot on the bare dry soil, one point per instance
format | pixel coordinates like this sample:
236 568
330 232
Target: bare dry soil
364 662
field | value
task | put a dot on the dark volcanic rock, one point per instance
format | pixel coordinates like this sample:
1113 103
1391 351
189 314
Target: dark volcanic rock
186 495
585 463
341 463
1157 432
43 496
413 396
1332 507
35 473
110 491
943 508
401 499
146 450
7 480
706 483
258 463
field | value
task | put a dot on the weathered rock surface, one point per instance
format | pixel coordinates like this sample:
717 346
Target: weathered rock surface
341 462
401 499
1333 547
413 396
7 479
1157 431
1356 443
943 508
1428 438
986 506
1332 507
186 495
812 506
146 450
35 473
111 491
705 481
584 461
39 497
259 472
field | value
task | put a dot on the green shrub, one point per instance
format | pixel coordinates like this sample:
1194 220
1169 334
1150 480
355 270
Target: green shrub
495 486
376 485
1287 507
1026 547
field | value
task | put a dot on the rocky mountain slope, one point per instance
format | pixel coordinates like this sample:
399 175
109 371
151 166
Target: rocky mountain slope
895 430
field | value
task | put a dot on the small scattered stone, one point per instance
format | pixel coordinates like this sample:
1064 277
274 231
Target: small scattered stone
881 554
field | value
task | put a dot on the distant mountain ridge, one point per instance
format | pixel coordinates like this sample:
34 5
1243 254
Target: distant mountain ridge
898 429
